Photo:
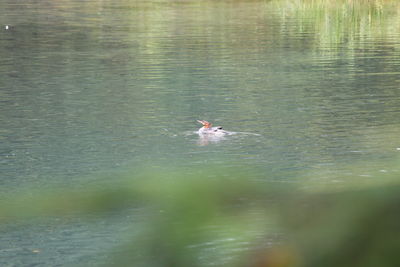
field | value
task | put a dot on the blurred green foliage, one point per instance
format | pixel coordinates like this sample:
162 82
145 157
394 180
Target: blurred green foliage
221 217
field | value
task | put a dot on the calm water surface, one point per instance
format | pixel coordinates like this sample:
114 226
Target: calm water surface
88 88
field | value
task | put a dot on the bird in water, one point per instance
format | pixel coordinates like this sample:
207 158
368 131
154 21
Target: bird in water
208 130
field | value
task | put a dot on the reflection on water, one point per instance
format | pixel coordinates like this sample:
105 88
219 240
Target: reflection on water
207 139
91 87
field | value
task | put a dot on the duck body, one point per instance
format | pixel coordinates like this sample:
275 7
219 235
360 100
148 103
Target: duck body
208 130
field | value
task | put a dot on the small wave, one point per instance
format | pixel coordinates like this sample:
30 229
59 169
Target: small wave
188 133
247 133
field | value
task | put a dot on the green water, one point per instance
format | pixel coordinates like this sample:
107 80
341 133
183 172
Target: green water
88 88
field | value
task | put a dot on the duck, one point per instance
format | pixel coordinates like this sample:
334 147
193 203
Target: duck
207 129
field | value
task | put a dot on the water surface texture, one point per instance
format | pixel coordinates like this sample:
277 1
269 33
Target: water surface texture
91 87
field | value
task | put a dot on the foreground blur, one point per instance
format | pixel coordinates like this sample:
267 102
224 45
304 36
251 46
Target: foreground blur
248 223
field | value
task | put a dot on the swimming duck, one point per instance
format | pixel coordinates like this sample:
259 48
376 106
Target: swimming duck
207 129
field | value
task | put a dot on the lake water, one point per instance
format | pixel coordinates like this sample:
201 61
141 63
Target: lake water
94 87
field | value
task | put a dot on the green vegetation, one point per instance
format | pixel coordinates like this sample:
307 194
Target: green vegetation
245 222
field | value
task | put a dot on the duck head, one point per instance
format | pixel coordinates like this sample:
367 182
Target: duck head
206 124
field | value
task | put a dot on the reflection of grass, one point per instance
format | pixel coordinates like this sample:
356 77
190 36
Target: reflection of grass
344 20
221 218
